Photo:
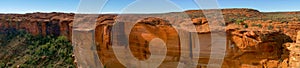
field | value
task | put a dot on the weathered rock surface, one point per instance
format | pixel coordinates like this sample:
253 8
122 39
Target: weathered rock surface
294 55
251 47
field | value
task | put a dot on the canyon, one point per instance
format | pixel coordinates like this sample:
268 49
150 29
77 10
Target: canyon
253 39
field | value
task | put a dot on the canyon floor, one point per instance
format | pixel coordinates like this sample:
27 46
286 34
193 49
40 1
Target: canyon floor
249 38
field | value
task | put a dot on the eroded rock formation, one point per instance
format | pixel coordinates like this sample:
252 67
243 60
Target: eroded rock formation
294 60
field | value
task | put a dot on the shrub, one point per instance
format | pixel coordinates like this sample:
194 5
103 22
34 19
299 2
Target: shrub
284 21
239 21
259 25
245 26
232 20
2 65
43 50
270 27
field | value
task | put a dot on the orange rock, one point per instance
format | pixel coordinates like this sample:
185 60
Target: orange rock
272 64
298 37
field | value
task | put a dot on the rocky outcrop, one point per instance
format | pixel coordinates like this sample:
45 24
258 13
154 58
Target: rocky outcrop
258 48
294 55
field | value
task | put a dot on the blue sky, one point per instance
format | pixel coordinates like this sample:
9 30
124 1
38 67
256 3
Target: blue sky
28 6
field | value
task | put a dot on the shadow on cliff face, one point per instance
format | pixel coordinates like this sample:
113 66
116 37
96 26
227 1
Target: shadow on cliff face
53 28
9 33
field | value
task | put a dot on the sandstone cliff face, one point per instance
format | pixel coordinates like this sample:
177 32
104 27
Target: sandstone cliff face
257 48
39 23
254 46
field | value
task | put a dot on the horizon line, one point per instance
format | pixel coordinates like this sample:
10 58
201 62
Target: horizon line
75 12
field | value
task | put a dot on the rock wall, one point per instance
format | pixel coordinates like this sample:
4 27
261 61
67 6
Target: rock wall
252 48
39 23
294 55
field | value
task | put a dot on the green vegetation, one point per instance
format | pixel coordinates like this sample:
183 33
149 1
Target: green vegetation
258 25
284 21
238 21
35 51
270 27
245 26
